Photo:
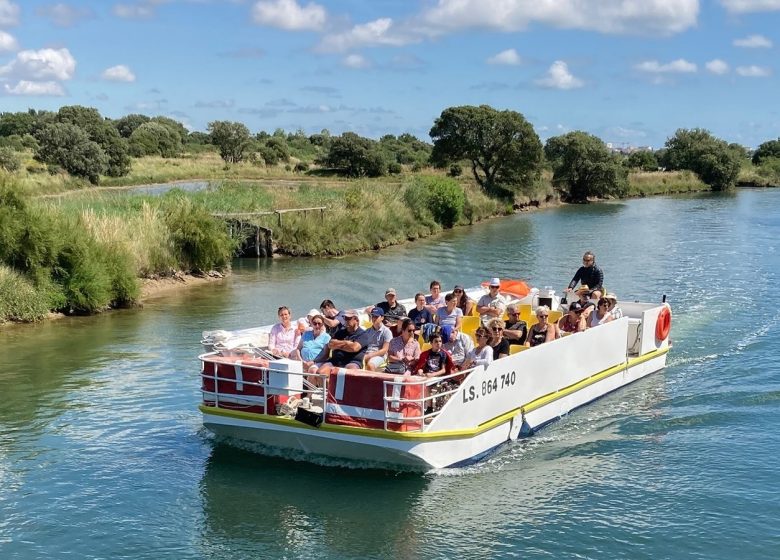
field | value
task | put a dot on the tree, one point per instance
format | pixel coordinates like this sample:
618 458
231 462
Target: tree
102 132
770 149
504 151
69 146
642 159
709 157
231 138
174 125
583 167
153 138
129 123
356 156
9 160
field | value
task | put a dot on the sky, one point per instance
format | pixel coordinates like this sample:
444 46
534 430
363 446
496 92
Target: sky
629 71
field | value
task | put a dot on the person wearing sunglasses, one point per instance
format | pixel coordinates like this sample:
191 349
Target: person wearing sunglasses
482 354
347 347
516 330
543 331
492 304
465 303
588 274
499 344
404 350
312 342
601 315
574 320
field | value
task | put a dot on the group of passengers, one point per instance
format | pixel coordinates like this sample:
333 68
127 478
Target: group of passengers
328 338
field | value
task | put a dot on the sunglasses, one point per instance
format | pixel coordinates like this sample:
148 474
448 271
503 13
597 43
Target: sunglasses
511 312
457 291
317 323
542 316
410 330
498 330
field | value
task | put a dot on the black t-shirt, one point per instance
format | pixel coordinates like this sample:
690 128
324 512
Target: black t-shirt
341 358
518 326
501 348
421 317
392 313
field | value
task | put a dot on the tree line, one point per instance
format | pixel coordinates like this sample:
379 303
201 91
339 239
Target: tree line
501 148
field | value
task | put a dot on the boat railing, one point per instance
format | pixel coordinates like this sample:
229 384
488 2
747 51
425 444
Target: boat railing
429 403
251 387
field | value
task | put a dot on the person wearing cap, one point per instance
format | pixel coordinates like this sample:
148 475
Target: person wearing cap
312 342
588 274
464 302
334 319
457 344
516 329
379 341
492 304
347 347
574 320
393 310
613 308
450 314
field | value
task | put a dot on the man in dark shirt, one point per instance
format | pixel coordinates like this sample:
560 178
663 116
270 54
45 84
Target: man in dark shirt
516 330
394 311
589 274
332 317
348 345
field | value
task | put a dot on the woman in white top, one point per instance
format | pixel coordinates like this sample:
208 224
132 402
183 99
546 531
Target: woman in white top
601 315
482 355
284 337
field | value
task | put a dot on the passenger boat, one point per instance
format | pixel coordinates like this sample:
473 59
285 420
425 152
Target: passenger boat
382 419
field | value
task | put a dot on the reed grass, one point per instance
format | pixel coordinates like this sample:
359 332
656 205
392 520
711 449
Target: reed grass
650 183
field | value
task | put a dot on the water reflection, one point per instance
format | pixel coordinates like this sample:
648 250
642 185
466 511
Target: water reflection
270 507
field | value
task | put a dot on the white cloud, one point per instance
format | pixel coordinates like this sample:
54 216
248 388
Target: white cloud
380 32
559 77
753 71
40 65
717 66
289 15
9 13
606 16
64 15
753 42
679 66
356 61
509 57
133 11
7 42
744 6
26 87
118 73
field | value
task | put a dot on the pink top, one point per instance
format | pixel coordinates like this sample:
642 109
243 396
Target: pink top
284 340
409 351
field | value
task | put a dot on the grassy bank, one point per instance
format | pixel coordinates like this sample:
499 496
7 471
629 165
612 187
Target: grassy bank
667 182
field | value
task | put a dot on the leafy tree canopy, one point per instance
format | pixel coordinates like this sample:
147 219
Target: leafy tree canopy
642 159
709 157
129 123
504 150
583 167
356 156
69 146
770 149
154 138
231 138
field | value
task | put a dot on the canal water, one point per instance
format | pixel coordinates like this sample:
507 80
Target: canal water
102 453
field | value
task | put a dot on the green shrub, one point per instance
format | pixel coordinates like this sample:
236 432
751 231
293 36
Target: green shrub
439 198
200 241
301 167
394 168
9 160
455 170
19 299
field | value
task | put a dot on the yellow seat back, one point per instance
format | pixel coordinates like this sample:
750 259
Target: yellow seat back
470 324
514 349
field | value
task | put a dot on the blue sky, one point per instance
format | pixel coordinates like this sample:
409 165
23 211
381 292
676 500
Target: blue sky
629 71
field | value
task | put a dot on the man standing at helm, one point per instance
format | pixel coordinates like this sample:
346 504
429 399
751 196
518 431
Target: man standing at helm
589 274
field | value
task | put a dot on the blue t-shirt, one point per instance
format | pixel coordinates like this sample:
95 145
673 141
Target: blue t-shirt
341 358
311 346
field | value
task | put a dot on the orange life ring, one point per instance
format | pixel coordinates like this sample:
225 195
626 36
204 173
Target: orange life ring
516 288
663 324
